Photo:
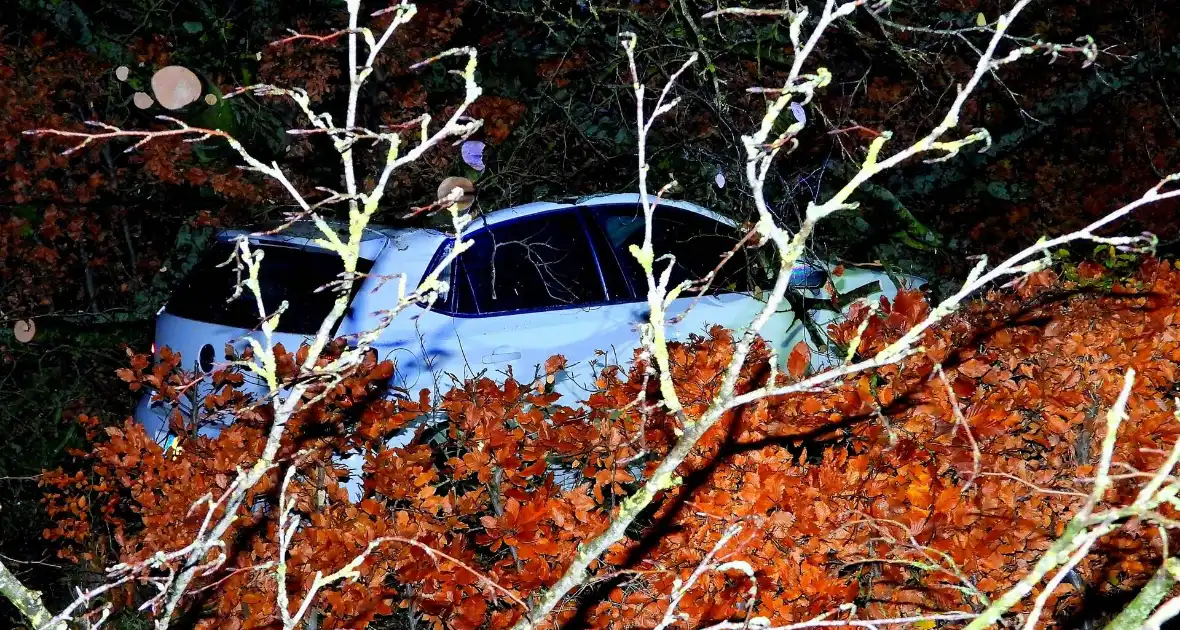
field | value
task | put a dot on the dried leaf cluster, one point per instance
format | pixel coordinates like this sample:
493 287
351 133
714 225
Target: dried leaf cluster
875 491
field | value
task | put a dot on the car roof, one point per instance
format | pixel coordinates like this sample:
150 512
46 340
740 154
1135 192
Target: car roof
304 233
610 199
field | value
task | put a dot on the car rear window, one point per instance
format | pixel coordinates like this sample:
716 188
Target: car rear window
287 273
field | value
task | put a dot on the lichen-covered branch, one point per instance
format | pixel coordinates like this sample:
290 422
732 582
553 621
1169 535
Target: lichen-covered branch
659 294
1135 615
26 600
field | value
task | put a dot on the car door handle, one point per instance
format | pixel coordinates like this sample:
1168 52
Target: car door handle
500 355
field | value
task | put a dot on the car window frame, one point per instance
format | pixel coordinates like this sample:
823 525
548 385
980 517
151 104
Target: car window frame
449 306
627 262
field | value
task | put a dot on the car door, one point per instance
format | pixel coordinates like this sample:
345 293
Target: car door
528 288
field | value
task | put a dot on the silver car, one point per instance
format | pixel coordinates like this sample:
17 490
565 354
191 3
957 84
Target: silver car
540 279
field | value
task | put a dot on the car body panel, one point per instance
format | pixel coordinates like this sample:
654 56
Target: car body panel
188 337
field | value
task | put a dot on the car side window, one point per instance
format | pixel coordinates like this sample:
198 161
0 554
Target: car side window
699 244
528 264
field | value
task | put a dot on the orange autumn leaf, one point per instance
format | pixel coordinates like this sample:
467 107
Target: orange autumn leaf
812 405
799 360
974 368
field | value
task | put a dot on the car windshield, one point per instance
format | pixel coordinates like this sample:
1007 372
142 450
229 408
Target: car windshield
287 273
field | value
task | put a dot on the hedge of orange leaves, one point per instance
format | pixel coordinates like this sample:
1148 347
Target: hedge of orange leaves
857 494
89 213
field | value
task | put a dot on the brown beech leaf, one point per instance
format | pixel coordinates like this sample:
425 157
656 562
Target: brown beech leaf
799 360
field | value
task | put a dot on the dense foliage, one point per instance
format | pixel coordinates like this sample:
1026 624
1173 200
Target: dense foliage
866 493
554 125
